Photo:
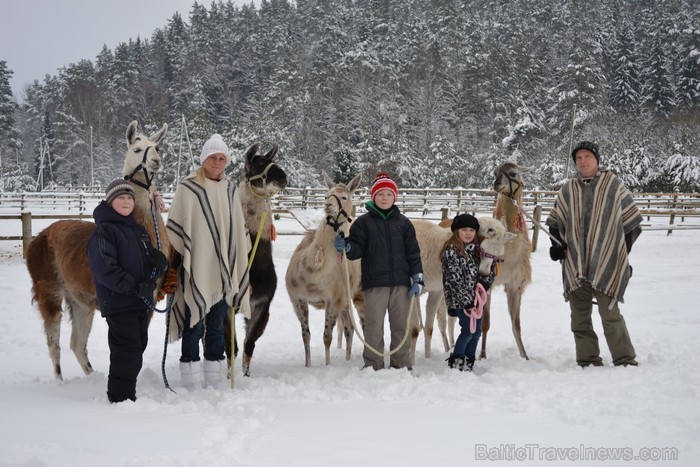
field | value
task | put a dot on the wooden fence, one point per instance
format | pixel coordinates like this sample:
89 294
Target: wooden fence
681 209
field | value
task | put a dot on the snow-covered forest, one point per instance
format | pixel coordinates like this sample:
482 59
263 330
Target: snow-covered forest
436 92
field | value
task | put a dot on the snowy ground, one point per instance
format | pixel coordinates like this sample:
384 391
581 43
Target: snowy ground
545 411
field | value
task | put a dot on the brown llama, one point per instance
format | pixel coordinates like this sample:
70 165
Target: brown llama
515 272
431 238
57 258
316 274
262 179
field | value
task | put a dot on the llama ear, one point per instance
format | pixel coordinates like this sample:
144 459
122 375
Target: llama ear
272 152
327 180
524 170
251 152
156 137
131 131
354 183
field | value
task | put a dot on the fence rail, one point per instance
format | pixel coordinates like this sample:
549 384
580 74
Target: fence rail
413 202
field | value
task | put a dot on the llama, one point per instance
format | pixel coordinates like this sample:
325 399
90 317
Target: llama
515 272
57 260
431 238
316 275
263 178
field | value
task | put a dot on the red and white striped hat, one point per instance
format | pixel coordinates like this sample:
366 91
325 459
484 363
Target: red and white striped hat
383 182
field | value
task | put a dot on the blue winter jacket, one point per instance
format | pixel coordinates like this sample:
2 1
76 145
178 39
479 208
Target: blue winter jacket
118 253
387 244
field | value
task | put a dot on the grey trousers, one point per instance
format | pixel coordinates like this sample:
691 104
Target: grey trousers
614 328
377 301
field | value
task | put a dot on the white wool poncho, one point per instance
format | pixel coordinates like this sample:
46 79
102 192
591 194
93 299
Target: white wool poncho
207 227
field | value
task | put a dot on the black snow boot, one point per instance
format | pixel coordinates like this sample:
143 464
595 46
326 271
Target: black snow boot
468 365
455 361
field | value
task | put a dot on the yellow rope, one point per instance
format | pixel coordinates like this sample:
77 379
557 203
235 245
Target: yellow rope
354 324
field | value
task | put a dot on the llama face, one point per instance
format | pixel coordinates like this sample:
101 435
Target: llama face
339 197
143 151
264 176
508 178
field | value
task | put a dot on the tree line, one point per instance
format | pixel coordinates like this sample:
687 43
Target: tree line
438 93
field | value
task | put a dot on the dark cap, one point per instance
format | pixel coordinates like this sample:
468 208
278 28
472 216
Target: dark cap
589 145
464 220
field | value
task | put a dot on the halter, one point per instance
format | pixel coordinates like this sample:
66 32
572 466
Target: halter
518 186
141 167
334 222
262 176
496 259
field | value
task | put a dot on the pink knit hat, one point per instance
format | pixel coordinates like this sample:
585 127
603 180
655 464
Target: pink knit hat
383 182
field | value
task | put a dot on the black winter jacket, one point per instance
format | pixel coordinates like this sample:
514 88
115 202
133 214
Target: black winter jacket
388 247
118 252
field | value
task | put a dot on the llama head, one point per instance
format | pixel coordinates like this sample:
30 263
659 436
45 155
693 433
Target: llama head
263 176
142 153
494 236
508 179
338 206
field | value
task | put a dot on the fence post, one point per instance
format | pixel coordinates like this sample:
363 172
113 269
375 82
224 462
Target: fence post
443 216
536 227
673 214
26 230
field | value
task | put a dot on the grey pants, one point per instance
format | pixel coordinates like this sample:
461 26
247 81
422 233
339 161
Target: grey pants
614 328
377 301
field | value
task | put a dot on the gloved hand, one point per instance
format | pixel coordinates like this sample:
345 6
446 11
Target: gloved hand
340 243
169 285
159 262
417 286
557 252
145 289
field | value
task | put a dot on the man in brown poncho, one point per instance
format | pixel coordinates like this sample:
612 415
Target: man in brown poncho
596 220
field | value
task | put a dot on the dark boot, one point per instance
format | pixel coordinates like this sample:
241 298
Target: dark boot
468 365
455 361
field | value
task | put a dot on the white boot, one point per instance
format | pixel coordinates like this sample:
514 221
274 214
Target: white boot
191 375
214 373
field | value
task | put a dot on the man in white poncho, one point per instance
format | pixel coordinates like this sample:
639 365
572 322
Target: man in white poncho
206 228
596 220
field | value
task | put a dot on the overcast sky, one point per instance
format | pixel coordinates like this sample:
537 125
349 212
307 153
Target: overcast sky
37 37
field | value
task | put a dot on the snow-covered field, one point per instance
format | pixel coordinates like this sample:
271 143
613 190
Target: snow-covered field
545 411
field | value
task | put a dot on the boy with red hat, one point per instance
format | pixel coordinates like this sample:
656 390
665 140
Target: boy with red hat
392 273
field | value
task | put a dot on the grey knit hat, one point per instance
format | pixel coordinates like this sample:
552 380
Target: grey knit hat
118 187
589 145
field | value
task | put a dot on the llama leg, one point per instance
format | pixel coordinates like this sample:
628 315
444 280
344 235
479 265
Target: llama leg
81 320
514 299
255 327
435 307
301 308
340 322
485 325
344 318
328 333
51 313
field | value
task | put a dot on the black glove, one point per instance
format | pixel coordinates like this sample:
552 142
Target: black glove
557 252
146 289
159 262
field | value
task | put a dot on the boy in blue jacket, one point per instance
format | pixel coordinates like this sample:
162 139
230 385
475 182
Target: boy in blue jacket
125 267
392 272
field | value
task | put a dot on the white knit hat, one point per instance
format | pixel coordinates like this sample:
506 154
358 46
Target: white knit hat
215 145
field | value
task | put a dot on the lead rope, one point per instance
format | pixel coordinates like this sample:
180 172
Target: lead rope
354 324
171 299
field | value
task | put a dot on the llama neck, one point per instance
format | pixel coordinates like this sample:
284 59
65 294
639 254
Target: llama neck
507 208
253 208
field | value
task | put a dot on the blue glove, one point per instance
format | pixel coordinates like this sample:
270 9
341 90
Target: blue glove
340 244
417 286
